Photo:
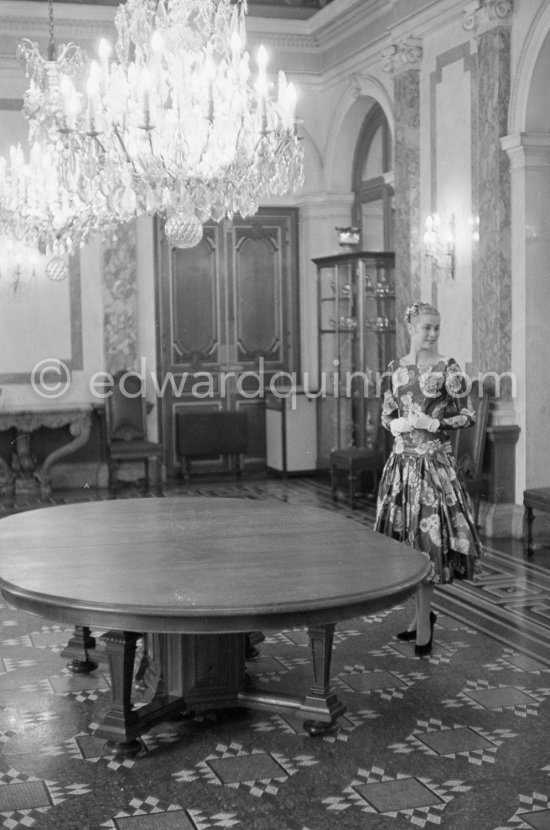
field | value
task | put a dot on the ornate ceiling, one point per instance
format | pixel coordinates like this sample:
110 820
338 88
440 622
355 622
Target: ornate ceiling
264 8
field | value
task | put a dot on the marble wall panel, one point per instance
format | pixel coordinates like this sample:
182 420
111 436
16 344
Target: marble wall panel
493 306
120 301
407 194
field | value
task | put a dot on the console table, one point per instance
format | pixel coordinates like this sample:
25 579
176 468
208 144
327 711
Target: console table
23 474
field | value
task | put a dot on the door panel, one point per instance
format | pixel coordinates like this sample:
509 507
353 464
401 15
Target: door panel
195 293
258 281
226 307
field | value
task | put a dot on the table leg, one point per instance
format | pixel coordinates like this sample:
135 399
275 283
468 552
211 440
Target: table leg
351 485
121 725
528 547
334 482
321 702
77 649
80 430
139 680
253 639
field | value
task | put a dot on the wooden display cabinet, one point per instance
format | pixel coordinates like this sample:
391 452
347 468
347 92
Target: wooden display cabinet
356 342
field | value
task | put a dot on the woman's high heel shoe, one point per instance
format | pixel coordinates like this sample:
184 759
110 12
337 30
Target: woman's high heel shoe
420 651
407 636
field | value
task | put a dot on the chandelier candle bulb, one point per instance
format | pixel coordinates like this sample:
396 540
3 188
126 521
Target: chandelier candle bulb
210 74
235 52
145 96
92 89
157 46
104 52
292 97
261 86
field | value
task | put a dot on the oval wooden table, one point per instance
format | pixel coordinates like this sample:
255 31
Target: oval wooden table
197 574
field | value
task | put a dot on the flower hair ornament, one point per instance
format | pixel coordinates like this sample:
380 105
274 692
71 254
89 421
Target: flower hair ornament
418 308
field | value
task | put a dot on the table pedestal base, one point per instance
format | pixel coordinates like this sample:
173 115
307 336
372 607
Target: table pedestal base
189 673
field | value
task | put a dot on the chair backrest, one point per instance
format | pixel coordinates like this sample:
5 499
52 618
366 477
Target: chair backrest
125 409
470 442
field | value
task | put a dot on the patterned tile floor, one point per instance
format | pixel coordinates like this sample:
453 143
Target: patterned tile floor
456 740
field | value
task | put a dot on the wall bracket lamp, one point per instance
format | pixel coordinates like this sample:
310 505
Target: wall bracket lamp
439 247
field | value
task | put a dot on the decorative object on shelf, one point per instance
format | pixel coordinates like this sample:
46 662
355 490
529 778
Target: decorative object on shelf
439 248
348 238
173 124
382 286
345 323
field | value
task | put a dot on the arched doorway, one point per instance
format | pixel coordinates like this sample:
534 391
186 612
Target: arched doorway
373 203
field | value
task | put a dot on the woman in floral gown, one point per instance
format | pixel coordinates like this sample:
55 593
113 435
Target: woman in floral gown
421 500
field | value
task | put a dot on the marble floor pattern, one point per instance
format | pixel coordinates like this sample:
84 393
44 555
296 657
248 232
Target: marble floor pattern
457 740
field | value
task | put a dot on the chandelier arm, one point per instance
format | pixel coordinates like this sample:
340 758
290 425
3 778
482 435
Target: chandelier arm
127 155
95 137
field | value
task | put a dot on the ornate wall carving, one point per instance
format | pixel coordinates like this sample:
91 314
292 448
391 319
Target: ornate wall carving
120 301
484 12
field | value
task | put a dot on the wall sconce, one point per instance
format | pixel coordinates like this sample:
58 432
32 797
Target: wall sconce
439 247
20 266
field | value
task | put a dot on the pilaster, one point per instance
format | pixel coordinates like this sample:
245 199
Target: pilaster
491 202
403 59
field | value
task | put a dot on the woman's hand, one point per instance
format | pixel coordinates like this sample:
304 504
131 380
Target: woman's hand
419 420
399 425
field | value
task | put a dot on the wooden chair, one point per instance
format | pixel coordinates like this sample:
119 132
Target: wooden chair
351 463
469 447
126 430
536 498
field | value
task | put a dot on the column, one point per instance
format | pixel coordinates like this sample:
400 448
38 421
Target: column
530 166
489 21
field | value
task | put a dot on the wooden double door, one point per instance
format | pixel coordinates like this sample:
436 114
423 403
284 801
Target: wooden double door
228 322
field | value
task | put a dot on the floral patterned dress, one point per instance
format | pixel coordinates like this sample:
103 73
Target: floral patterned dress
421 499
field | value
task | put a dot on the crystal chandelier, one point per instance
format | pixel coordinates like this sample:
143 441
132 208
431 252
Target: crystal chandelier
173 122
42 202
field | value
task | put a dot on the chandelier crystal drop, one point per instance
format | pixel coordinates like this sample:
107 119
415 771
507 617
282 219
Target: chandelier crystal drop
57 269
173 121
183 230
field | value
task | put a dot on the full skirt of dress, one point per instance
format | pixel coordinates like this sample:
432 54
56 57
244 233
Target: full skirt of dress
423 503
